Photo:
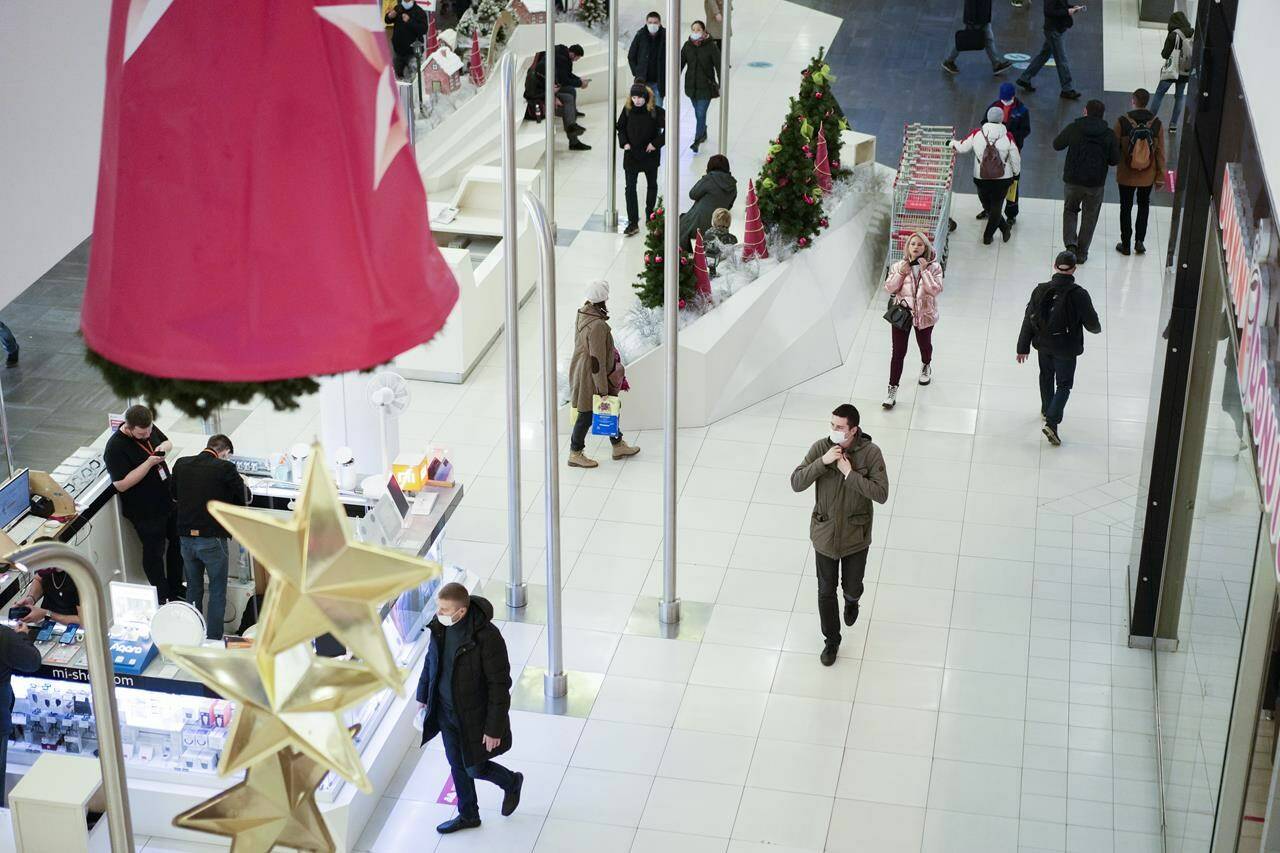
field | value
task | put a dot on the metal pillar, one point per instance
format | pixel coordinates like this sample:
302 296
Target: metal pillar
212 425
517 592
93 605
554 682
611 155
4 430
726 28
669 605
405 87
549 159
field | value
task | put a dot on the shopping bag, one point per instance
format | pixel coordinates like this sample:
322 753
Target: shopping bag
970 39
604 415
1012 195
1171 179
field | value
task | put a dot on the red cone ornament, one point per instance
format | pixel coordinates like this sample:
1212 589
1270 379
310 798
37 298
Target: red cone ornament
477 66
753 236
822 165
251 232
700 272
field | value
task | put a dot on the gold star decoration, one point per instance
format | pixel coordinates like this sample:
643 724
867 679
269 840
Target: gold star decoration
274 805
292 699
323 581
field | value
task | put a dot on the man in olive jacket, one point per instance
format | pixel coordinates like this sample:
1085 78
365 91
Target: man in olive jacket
465 692
847 472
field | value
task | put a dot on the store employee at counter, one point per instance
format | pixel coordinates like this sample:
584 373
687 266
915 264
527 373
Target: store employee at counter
135 461
207 476
52 595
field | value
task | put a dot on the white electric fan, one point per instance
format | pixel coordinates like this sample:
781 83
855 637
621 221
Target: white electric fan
390 393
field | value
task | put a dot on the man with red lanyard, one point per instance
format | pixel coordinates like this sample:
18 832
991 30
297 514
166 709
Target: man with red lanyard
135 460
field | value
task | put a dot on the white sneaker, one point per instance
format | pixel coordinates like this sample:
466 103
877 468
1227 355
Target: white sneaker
891 398
926 375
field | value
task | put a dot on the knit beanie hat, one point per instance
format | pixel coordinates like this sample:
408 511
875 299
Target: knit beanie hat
995 115
1006 91
597 291
639 90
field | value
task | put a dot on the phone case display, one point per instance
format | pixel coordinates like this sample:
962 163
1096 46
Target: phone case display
922 189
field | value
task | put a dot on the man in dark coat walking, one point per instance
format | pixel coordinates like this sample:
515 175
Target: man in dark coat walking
409 23
1092 149
977 16
647 56
465 693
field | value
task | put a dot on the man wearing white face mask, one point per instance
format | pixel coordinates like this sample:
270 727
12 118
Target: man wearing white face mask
409 24
647 56
848 474
465 693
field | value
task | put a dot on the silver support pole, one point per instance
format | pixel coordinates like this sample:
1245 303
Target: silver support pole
94 614
549 159
517 592
611 155
669 606
4 429
212 425
405 88
554 682
726 27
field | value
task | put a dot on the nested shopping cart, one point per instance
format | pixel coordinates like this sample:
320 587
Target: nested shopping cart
922 188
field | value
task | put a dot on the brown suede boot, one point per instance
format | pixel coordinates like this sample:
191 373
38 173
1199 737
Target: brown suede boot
578 459
622 450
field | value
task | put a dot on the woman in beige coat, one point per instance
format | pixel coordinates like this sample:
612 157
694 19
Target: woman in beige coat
594 369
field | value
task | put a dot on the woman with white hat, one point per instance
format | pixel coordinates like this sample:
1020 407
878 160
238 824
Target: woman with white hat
594 369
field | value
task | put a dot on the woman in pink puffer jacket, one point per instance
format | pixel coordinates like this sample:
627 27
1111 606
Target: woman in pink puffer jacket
915 281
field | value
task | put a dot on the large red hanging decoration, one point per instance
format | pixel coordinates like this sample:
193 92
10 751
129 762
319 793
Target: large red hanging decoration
254 230
477 65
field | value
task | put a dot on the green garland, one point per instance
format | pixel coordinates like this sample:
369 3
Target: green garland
199 398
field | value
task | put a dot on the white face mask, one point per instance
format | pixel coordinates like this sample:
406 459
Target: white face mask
447 619
836 437
406 3
652 28
696 36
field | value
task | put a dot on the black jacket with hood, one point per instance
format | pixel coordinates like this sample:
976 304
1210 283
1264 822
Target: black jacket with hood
1057 15
641 127
405 33
1092 149
1078 314
481 683
1178 26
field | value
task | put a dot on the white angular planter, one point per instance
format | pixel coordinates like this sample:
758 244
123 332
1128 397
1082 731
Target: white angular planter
796 321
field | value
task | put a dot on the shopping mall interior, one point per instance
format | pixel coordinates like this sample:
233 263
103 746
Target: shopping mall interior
662 523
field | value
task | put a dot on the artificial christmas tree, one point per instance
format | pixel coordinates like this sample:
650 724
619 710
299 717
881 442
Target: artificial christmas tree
480 17
789 196
701 275
649 286
818 105
593 13
753 232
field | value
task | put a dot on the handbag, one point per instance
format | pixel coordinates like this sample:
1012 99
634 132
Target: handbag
604 415
898 315
970 39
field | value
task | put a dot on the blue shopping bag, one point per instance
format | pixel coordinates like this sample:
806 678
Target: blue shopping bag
604 415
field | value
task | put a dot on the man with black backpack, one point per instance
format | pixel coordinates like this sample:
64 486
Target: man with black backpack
1054 322
1092 149
1141 168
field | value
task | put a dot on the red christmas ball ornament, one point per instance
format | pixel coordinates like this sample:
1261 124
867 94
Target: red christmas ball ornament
804 73
803 241
808 155
808 199
835 164
782 182
805 149
647 257
818 95
684 262
658 259
768 158
681 303
823 222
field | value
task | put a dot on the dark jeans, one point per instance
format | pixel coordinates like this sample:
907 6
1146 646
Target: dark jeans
1057 374
1080 209
1179 98
849 570
203 555
989 46
1126 212
161 556
650 193
464 777
1054 45
578 438
8 341
901 338
4 767
991 194
700 106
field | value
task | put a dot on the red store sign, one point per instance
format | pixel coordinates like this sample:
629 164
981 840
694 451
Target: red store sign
1253 279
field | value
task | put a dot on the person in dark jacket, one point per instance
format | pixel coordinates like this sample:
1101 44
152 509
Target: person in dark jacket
1054 322
1174 70
207 476
1057 20
17 654
641 133
714 190
1017 121
700 61
566 85
647 56
1136 177
1092 149
409 24
977 16
465 693
847 472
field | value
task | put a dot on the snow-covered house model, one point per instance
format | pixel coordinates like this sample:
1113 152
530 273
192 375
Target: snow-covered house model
442 72
530 11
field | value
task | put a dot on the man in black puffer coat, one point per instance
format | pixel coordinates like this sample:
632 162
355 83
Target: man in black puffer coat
465 692
1092 149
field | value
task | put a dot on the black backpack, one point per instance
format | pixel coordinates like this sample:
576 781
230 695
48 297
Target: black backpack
1049 311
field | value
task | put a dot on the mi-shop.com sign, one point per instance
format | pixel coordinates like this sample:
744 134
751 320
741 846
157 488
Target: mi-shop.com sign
1254 280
